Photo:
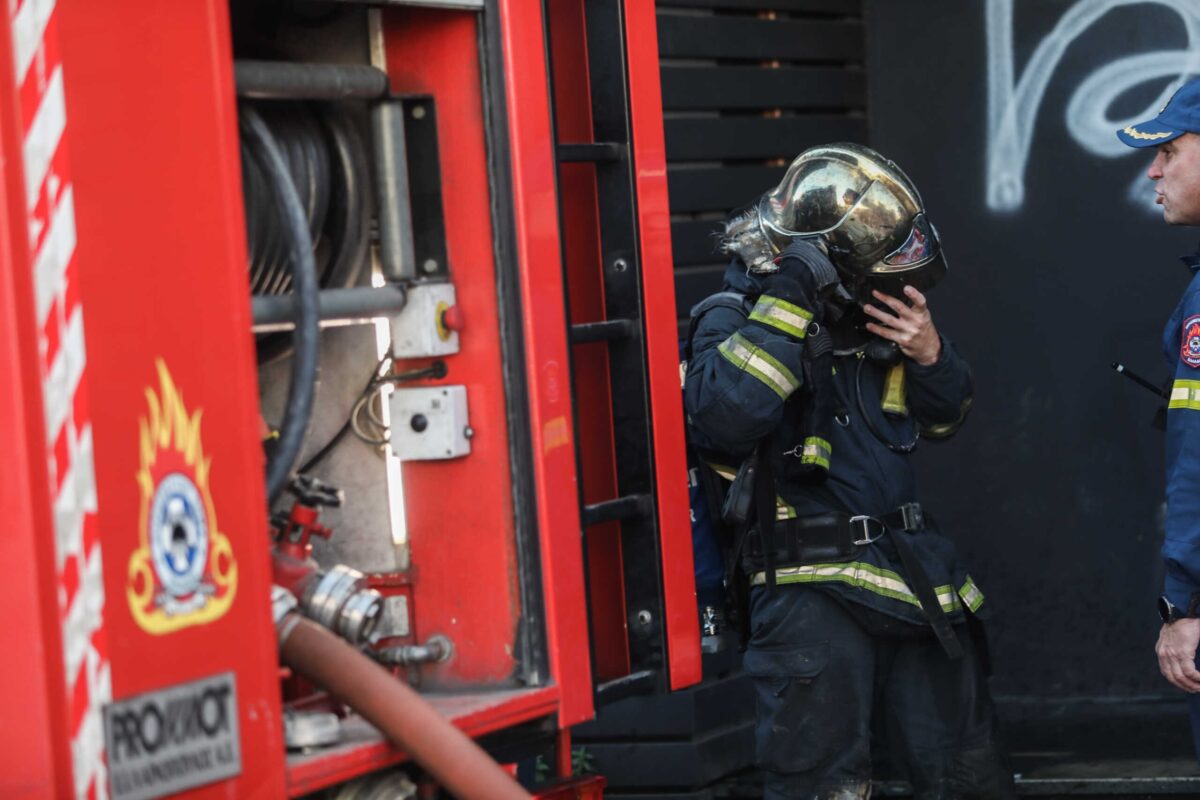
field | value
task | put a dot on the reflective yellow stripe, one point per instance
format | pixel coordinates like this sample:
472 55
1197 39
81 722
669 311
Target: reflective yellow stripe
947 428
862 575
782 315
1185 394
894 399
970 594
816 451
743 354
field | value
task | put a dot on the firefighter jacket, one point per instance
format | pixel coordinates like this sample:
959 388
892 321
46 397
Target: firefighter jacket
1181 545
746 381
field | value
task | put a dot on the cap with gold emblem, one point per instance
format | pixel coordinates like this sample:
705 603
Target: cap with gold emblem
1180 115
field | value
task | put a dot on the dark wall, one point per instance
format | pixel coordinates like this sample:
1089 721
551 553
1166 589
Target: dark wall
1054 488
748 84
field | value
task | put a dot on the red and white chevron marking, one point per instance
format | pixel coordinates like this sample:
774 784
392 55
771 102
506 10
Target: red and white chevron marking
51 213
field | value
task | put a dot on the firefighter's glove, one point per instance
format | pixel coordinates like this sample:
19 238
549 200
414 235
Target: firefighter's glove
807 264
804 280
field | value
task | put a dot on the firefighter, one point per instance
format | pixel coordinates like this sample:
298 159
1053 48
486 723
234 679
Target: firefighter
1176 175
811 378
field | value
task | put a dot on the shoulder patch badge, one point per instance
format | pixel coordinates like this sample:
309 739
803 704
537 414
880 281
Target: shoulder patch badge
1189 351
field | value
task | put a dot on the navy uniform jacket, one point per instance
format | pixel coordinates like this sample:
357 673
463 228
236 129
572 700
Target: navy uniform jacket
1181 547
745 382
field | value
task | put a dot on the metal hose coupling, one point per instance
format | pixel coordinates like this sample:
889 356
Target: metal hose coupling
283 607
435 650
341 601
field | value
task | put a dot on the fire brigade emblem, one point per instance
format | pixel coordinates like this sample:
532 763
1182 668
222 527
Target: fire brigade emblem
183 572
1190 351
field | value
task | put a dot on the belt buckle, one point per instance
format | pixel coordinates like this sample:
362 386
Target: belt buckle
914 518
868 539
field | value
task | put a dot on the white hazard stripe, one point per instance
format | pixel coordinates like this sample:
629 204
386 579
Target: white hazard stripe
29 25
44 135
749 358
50 267
62 381
50 211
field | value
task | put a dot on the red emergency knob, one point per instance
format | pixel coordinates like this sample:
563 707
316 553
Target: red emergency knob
452 318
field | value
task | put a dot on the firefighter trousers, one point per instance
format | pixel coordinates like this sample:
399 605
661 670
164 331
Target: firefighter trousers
825 677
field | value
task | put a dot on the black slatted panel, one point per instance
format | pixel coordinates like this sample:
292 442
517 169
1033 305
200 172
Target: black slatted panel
759 138
739 88
694 242
718 188
752 38
851 8
748 84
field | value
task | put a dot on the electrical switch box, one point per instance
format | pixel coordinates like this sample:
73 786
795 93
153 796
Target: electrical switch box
428 325
430 423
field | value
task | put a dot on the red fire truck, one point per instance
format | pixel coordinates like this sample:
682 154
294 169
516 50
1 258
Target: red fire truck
340 355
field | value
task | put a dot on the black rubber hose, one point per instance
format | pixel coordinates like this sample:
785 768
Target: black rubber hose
327 161
304 270
350 231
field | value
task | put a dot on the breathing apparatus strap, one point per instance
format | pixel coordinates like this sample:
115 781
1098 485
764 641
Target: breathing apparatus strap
922 587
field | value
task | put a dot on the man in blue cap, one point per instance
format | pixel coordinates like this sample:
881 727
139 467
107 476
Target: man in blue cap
1175 132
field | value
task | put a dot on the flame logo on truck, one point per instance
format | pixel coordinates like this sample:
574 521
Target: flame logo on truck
183 572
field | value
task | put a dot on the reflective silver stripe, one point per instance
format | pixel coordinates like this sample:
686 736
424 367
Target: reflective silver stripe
816 451
970 594
860 574
787 317
1185 394
754 360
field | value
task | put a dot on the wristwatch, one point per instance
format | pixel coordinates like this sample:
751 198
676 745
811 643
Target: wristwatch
1168 611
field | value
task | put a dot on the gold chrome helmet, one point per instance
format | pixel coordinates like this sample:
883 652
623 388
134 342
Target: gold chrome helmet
865 209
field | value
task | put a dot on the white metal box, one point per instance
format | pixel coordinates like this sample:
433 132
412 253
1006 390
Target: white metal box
430 423
420 330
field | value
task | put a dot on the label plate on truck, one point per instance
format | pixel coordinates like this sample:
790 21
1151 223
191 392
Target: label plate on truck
173 739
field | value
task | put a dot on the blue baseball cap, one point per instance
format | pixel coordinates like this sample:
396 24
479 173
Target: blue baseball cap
1180 115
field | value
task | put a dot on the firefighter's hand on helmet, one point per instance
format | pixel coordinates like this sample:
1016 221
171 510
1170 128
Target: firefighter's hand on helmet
909 326
805 276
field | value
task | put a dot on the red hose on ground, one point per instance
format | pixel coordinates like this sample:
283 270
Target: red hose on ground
449 755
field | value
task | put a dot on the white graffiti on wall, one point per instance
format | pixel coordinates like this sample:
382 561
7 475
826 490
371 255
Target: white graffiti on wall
1013 106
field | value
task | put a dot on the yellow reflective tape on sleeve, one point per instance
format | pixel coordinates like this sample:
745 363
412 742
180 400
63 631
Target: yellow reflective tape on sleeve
781 315
743 354
862 575
971 596
895 400
816 451
1185 394
947 428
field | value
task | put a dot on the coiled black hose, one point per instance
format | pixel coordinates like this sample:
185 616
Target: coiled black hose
265 153
327 161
